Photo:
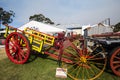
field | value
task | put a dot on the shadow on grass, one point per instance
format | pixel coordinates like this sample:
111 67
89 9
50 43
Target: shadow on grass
109 71
34 55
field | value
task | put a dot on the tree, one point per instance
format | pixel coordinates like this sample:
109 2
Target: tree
40 18
6 16
117 27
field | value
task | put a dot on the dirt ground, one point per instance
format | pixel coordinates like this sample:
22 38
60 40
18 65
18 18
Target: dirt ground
2 53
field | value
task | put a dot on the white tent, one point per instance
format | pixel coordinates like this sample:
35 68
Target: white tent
41 27
2 31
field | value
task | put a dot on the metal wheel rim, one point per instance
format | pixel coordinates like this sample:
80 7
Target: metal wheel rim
115 62
84 65
17 48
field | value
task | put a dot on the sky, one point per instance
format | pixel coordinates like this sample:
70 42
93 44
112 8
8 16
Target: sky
81 12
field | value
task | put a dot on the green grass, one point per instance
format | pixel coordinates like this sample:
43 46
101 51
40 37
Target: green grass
37 69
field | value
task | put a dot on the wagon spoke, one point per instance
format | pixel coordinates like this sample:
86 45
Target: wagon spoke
78 71
116 57
87 72
16 56
95 59
94 48
20 57
17 39
12 42
83 73
99 53
13 39
75 69
68 65
92 71
117 66
95 69
116 62
96 63
22 54
70 55
12 52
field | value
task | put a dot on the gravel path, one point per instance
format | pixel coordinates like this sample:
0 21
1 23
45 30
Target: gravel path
2 53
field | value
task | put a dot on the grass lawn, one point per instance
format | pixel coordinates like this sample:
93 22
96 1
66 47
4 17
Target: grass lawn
37 69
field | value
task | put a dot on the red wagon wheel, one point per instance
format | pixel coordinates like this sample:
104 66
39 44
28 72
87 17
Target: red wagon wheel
17 48
82 64
115 61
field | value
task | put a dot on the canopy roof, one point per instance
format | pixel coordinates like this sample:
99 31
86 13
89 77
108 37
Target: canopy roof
41 27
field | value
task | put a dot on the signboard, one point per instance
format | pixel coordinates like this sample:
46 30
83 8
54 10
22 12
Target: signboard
61 72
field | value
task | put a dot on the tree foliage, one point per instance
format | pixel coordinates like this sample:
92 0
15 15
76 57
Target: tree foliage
6 16
117 27
40 18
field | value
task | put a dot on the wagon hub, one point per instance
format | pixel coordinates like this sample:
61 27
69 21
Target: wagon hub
83 59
